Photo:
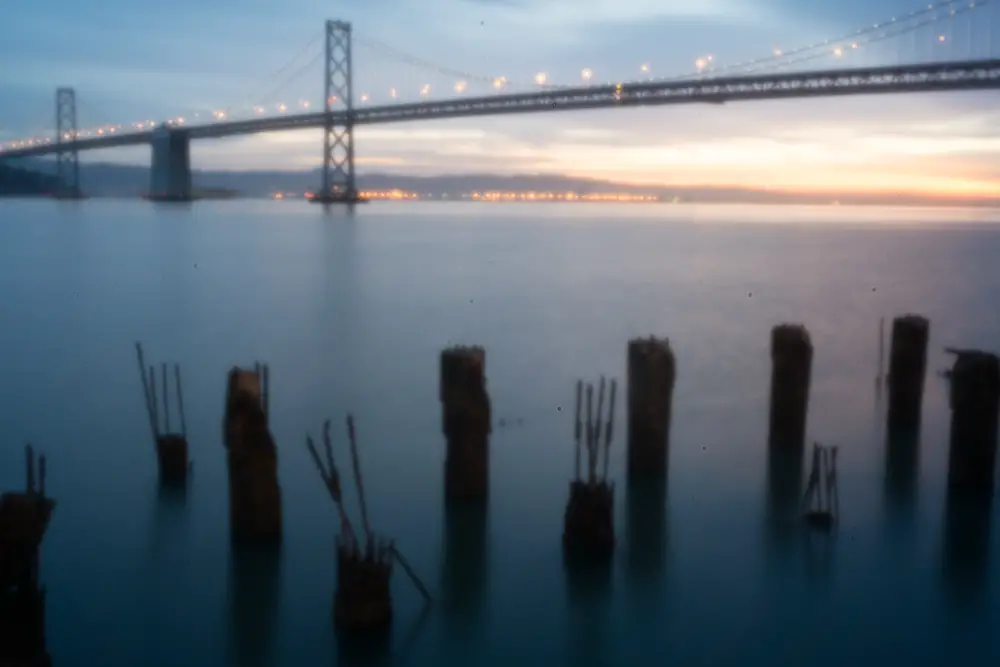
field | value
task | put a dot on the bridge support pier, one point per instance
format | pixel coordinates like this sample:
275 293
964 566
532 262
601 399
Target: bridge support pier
170 174
339 186
67 155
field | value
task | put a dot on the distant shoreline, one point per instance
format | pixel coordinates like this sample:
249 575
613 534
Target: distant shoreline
108 180
942 204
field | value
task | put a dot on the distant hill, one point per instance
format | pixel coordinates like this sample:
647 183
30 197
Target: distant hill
115 180
20 182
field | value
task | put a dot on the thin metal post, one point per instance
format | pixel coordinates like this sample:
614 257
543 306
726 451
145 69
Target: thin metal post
180 399
166 401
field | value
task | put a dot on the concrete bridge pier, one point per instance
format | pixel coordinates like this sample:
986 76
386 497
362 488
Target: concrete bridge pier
170 174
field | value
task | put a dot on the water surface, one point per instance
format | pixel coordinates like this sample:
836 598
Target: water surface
351 314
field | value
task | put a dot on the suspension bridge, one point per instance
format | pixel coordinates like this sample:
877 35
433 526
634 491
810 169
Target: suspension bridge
921 66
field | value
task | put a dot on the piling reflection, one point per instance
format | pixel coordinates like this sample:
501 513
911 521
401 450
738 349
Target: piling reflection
646 517
355 651
363 650
902 466
254 584
465 563
784 489
169 517
966 545
589 596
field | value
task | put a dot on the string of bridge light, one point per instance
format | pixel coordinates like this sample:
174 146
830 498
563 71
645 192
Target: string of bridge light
841 50
894 27
778 58
704 65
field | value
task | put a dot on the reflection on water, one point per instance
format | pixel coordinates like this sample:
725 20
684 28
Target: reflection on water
820 555
170 518
254 582
646 530
364 651
464 570
588 587
464 573
784 493
355 315
967 545
902 467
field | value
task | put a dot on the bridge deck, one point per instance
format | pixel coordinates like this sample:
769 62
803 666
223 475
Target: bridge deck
937 77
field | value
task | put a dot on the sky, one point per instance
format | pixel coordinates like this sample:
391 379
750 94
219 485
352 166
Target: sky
132 61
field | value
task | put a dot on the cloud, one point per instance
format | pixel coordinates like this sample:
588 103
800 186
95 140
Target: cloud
563 13
519 4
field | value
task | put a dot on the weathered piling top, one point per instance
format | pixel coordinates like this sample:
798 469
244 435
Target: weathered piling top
246 417
656 348
24 517
245 382
462 369
913 322
598 488
789 337
975 376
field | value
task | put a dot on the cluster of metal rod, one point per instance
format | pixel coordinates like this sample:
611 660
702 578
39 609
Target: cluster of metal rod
149 391
592 434
821 495
375 548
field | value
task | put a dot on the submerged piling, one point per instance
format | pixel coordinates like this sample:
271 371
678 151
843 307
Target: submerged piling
24 518
791 358
652 371
466 423
588 524
171 446
975 399
252 458
907 369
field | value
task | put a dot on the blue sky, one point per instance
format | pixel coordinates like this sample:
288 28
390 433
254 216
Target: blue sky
133 61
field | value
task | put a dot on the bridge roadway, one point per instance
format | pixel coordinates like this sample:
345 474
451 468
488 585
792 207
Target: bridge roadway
954 76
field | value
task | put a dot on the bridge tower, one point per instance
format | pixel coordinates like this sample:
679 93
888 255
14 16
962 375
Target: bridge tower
67 155
338 142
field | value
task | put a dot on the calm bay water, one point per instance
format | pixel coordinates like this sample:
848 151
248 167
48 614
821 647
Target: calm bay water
351 314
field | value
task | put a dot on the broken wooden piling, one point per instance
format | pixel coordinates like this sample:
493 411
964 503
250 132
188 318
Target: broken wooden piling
466 423
791 358
588 526
907 369
975 399
171 446
252 457
362 603
652 371
24 518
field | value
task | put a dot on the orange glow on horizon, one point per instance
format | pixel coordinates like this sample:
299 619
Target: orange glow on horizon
860 182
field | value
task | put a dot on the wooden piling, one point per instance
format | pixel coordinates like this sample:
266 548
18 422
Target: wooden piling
791 358
588 523
975 399
652 371
24 518
252 457
171 446
907 369
466 422
362 603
